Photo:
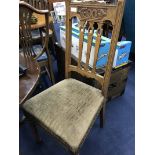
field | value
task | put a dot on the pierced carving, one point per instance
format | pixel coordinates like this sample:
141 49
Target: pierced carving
92 13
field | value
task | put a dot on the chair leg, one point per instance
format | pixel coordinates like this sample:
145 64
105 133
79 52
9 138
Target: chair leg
33 127
101 118
48 72
42 37
22 120
76 153
35 132
50 75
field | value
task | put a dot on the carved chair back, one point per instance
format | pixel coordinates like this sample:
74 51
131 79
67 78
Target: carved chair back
40 4
25 18
89 14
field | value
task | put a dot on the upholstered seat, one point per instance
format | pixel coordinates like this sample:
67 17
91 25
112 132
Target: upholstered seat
67 110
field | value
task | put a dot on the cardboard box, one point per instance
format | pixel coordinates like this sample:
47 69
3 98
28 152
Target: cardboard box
121 53
59 11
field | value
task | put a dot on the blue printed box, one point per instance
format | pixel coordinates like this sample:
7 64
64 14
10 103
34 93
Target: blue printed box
121 53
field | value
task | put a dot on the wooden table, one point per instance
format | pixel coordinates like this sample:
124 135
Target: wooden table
28 82
41 21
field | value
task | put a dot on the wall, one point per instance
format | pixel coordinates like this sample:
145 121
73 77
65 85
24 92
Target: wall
129 23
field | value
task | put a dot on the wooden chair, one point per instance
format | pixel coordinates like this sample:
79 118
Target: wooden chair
39 33
40 4
41 54
43 5
68 109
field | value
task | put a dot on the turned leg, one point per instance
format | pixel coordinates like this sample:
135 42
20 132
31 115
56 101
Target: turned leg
74 153
22 120
50 73
33 127
101 118
35 132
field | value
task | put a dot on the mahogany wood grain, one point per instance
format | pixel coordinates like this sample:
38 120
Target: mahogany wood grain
25 27
28 82
39 4
43 4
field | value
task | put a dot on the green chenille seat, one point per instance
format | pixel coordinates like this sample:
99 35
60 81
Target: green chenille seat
67 110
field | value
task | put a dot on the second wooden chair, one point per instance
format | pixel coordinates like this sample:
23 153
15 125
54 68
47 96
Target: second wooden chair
39 52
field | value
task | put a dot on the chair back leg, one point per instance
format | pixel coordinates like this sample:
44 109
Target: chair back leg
101 118
51 73
49 70
76 153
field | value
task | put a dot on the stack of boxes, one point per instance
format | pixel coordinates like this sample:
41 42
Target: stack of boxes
121 54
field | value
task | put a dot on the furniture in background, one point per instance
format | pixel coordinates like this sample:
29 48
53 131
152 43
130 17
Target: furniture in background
43 4
39 52
29 80
38 31
68 109
39 4
118 78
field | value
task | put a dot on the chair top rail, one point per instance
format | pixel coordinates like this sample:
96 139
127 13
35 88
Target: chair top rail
22 3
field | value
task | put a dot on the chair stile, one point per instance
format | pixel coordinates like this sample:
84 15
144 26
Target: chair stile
91 13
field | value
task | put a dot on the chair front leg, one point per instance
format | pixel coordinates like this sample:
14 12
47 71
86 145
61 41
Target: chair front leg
50 74
33 127
35 132
101 118
74 153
